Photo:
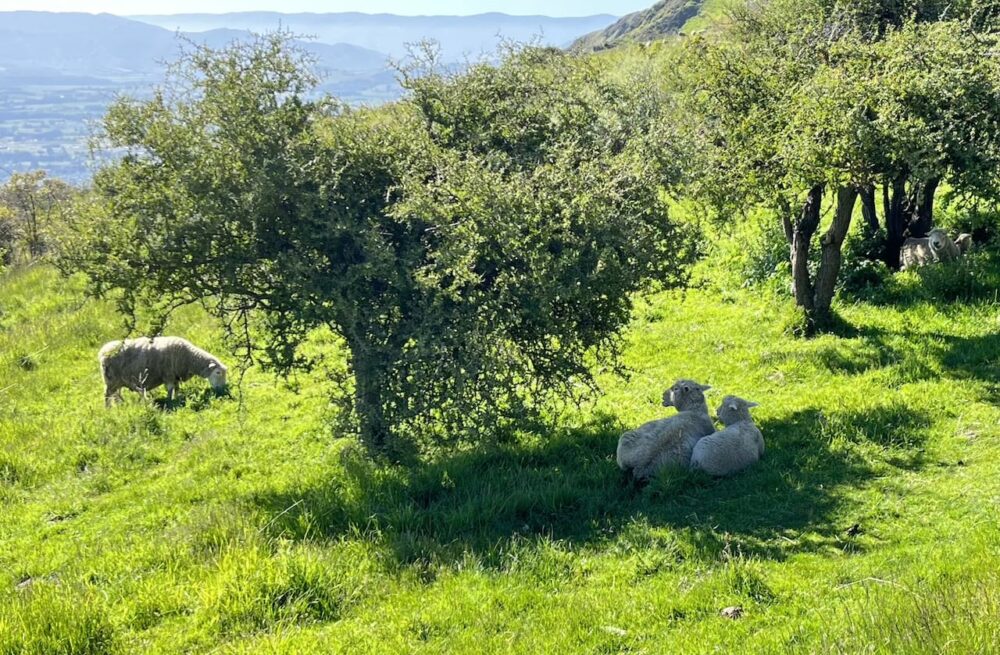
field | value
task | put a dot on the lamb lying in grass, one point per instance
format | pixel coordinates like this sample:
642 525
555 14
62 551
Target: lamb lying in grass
937 246
146 363
736 447
669 441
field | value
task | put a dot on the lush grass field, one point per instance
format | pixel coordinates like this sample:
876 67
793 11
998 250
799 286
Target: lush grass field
236 527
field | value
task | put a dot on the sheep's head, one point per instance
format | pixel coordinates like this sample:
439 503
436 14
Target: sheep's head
685 395
215 373
964 242
733 410
938 239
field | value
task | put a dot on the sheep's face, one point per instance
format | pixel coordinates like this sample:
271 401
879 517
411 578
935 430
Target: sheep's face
964 242
216 376
733 410
937 239
685 395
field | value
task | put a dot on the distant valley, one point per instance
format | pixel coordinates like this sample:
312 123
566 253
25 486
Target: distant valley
59 71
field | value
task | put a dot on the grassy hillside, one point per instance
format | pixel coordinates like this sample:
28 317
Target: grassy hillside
665 18
245 525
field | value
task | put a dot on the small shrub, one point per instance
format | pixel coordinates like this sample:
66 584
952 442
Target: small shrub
745 578
7 239
972 277
958 215
27 363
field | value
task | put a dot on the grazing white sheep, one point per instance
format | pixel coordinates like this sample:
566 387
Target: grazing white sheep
145 363
669 441
737 446
964 243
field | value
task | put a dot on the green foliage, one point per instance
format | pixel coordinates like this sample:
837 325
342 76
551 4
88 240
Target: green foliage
747 251
476 246
791 101
8 236
33 208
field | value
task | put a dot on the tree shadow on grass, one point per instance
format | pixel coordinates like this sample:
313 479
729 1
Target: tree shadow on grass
196 402
975 357
915 357
568 488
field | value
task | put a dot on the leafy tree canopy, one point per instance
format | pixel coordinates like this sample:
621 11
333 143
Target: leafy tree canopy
476 246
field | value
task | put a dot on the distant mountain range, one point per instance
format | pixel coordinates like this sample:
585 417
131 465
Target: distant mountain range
458 36
59 71
112 47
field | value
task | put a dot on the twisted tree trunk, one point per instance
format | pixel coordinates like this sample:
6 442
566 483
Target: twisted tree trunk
868 209
800 233
907 214
368 366
831 256
922 203
896 219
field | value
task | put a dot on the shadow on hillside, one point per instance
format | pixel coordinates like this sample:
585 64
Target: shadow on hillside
917 356
568 488
975 357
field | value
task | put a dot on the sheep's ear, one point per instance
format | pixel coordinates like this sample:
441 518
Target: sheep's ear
752 405
704 387
733 406
212 366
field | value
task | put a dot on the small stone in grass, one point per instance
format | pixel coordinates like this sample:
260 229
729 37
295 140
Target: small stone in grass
734 613
619 632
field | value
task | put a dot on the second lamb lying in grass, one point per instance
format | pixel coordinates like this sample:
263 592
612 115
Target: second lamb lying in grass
736 447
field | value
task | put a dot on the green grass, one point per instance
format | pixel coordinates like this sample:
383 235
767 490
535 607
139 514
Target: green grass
242 527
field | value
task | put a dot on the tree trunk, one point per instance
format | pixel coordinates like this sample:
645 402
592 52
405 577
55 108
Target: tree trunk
907 214
868 209
922 219
801 232
369 400
896 219
831 244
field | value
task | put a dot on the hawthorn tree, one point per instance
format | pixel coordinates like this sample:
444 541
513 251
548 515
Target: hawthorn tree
476 246
34 204
777 123
796 102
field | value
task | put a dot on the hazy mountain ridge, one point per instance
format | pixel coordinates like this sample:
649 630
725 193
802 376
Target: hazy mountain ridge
59 71
106 45
458 36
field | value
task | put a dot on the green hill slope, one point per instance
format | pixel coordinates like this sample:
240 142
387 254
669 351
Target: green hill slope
663 19
243 527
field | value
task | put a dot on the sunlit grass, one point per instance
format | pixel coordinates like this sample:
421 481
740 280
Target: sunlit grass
247 525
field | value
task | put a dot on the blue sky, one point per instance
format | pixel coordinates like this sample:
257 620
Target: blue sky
409 7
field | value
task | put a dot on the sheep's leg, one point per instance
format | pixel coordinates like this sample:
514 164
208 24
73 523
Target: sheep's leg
110 395
171 388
